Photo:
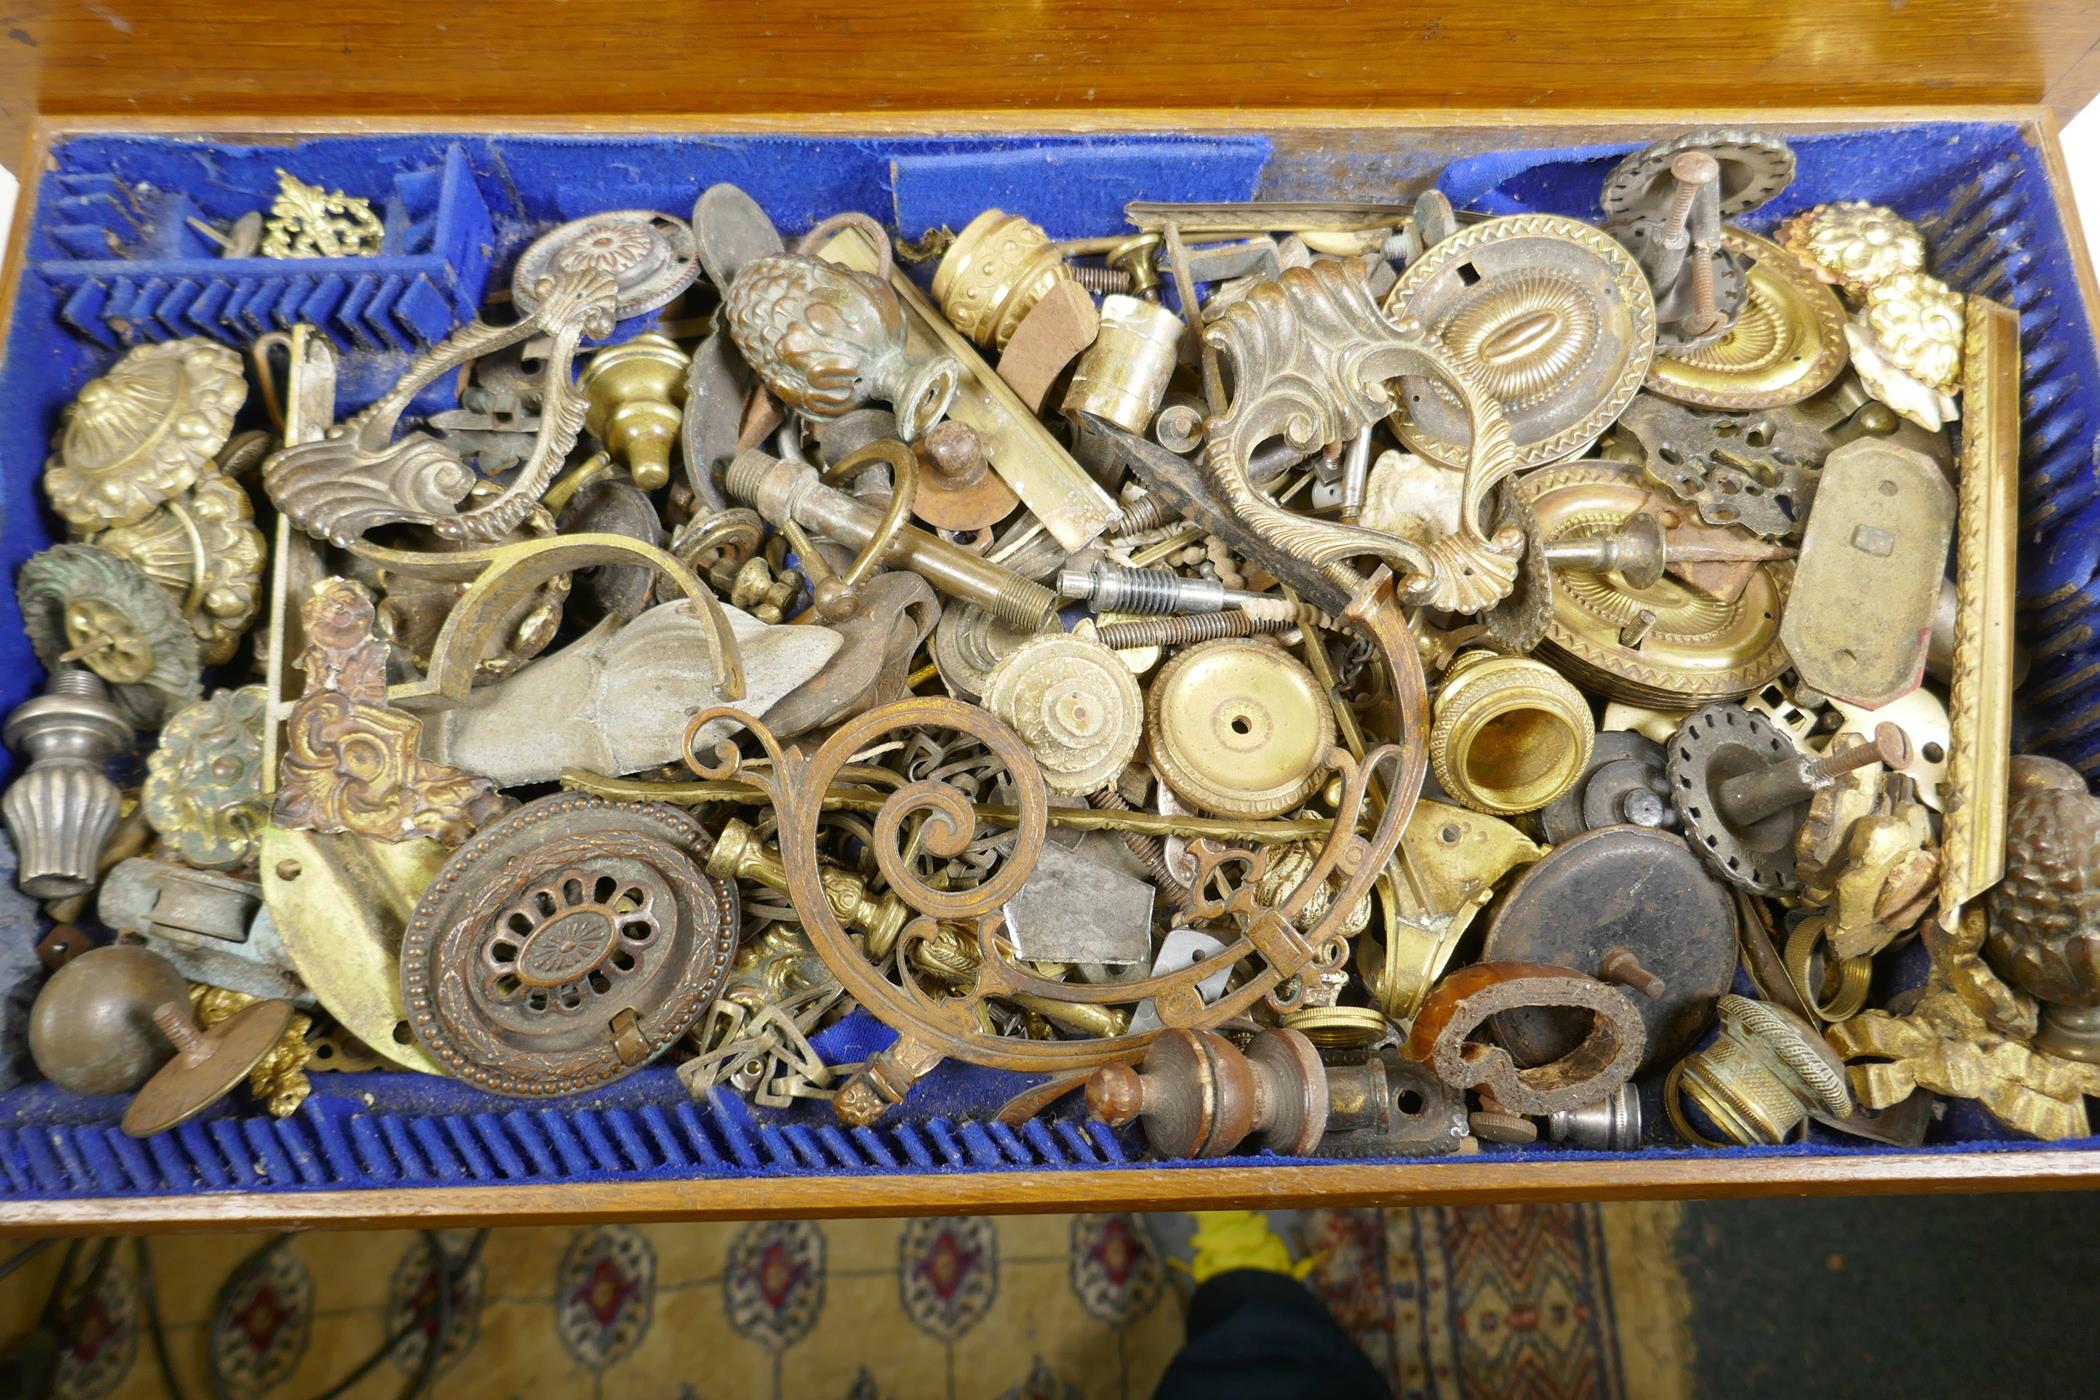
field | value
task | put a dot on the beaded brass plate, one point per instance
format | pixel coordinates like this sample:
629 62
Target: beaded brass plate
1788 343
1552 315
1698 649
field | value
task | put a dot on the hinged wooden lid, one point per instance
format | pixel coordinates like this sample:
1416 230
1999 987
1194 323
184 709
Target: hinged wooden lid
294 59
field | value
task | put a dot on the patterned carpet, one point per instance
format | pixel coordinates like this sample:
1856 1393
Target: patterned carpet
1538 1301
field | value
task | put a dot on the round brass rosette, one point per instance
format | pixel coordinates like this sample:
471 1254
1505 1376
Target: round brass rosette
1552 316
1239 728
86 605
203 547
1510 734
1788 343
143 431
567 945
1075 704
1697 649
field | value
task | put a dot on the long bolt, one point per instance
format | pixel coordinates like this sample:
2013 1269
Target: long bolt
1706 317
1693 171
1149 514
1186 629
1747 799
1111 588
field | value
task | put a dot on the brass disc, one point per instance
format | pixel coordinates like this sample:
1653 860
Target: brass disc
1788 343
1239 728
1552 317
188 1084
1698 649
1338 1027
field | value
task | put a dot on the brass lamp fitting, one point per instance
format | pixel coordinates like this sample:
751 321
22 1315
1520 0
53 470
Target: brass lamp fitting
1510 734
1762 1079
994 273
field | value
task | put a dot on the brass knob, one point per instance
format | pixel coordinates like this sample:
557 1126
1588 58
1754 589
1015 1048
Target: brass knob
1510 733
637 404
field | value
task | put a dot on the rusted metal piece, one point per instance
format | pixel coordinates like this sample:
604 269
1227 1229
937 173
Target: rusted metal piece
350 762
567 945
1627 891
1463 1002
1199 1096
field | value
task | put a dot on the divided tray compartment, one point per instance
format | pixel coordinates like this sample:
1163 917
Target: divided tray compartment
460 206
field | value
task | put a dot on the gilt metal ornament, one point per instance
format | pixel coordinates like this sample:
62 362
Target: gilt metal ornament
350 761
142 432
204 789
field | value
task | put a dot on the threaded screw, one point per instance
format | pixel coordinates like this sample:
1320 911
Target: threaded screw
1101 281
1185 629
1147 848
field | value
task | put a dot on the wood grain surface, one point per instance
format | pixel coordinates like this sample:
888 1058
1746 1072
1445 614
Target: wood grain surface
1476 1181
592 58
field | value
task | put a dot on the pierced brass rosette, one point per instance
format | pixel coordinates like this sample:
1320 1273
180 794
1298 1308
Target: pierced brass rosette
1696 648
1788 343
1552 316
1854 244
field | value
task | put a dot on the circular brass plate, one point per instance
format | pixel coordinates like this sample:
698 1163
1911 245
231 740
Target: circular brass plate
1075 704
1551 315
1339 1027
183 1088
1239 728
566 945
1788 343
1699 648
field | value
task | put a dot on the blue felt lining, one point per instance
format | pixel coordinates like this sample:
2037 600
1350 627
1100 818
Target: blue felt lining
466 205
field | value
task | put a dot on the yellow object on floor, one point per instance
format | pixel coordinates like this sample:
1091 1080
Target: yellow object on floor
1240 1239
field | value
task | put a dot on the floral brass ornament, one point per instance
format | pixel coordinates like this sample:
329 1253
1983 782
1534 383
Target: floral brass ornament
88 606
142 432
1966 1038
204 790
358 476
1315 362
1907 346
828 339
350 762
307 221
1853 244
279 1077
203 547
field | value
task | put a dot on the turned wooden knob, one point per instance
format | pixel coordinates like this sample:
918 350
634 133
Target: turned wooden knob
1198 1095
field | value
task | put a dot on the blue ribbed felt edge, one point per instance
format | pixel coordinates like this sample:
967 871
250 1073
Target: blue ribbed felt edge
1981 192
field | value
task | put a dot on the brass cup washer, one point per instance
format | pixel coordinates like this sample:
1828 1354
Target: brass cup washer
1239 728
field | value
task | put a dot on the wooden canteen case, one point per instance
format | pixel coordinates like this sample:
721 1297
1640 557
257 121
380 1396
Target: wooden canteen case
1947 109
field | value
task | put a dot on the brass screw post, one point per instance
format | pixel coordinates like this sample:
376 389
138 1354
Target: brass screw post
1706 317
1693 171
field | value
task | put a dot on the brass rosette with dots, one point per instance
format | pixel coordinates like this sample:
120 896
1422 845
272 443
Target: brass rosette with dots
1787 344
567 945
1239 728
1075 704
1668 645
1552 316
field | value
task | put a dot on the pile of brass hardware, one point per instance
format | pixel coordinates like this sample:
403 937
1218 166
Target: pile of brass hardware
1340 679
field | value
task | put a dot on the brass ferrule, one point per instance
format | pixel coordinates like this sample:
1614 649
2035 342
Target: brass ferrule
1510 733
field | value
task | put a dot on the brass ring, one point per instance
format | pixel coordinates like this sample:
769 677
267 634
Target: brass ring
1855 976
